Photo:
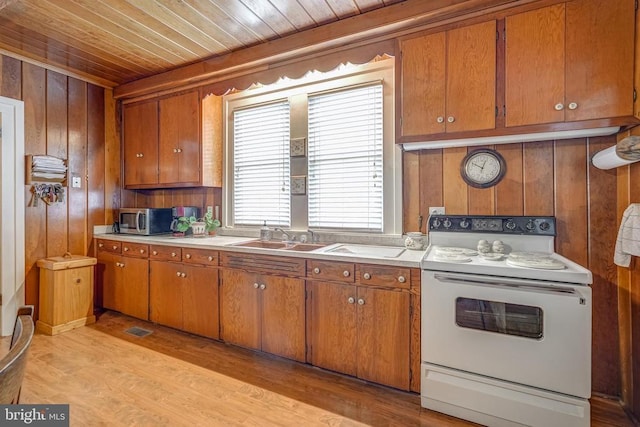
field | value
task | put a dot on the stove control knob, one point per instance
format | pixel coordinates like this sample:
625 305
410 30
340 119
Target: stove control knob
544 226
446 223
464 223
531 225
510 225
436 223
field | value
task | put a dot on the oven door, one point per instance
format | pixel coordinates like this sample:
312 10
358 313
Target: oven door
528 332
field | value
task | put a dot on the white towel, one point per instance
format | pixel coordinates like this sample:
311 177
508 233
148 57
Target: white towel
628 241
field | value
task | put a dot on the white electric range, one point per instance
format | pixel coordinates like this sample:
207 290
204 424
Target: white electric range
506 323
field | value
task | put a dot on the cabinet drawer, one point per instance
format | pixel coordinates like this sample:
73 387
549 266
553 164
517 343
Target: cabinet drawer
200 256
137 250
109 246
379 275
329 270
165 253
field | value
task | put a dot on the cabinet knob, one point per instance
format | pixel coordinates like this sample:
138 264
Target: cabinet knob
573 106
78 280
139 155
126 249
141 251
183 275
100 245
316 270
263 286
173 254
351 300
346 273
175 150
402 279
188 256
114 247
210 258
451 119
256 286
360 301
367 276
155 252
178 273
440 119
179 150
559 107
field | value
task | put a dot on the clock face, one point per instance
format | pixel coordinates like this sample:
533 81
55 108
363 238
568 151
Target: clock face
483 168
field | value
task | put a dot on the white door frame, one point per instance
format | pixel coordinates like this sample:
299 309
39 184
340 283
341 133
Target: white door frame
12 212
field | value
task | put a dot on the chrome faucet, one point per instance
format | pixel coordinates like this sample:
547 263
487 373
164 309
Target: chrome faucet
289 237
314 238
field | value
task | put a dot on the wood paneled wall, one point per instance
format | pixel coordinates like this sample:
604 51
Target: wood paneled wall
543 178
64 117
628 192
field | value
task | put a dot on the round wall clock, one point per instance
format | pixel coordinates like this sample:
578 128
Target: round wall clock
483 168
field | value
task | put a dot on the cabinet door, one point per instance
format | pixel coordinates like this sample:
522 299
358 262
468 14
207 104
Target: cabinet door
471 78
165 293
333 337
383 336
140 143
423 85
535 66
200 301
180 139
599 59
109 280
134 283
283 311
239 310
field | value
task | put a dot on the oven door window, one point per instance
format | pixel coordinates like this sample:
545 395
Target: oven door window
499 317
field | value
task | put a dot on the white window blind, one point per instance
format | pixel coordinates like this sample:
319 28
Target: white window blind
345 159
261 165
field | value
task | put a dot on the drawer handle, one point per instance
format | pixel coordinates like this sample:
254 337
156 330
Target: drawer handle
100 245
360 301
366 276
256 286
141 251
351 300
316 270
155 252
401 279
210 258
126 249
188 256
114 247
346 273
263 286
173 254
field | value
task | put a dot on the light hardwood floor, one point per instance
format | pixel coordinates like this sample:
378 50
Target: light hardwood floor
171 378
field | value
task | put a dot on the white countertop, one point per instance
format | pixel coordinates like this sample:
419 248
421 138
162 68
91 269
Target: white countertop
408 258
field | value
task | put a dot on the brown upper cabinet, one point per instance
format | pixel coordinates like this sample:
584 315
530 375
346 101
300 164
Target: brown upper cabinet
175 141
569 62
449 81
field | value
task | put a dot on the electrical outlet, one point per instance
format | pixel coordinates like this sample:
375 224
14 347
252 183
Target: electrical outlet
210 210
436 210
75 182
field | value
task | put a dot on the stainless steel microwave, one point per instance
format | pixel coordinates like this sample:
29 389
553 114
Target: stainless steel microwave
145 221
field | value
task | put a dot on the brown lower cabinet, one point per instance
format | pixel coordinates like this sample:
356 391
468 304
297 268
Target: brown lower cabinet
360 331
125 284
184 297
263 312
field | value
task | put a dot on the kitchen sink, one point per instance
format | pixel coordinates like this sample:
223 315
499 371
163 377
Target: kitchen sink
288 246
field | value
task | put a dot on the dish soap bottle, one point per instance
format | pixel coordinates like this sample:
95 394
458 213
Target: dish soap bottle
265 232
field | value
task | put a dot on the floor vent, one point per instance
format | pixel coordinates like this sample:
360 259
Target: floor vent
138 332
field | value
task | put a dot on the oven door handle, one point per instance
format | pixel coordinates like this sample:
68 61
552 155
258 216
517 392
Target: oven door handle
529 286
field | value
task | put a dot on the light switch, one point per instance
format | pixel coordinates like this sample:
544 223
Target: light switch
75 182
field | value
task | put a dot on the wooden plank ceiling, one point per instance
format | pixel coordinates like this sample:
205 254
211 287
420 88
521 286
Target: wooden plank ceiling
111 42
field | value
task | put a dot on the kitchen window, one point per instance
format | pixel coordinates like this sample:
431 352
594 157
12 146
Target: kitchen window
348 174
